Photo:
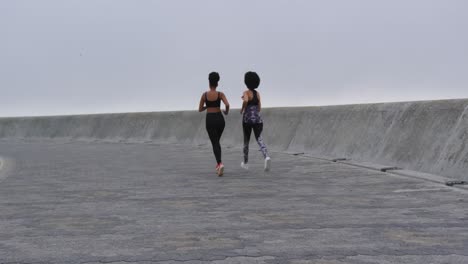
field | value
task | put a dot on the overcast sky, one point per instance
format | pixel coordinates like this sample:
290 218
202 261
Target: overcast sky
93 56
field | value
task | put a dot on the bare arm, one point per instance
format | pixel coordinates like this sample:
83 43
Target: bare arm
245 100
226 103
259 102
201 106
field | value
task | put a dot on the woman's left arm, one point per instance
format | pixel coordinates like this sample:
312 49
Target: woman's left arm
245 99
201 106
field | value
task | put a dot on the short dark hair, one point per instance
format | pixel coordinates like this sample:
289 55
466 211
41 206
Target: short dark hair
213 77
251 80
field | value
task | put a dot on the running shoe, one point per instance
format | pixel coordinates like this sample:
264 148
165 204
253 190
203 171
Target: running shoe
220 170
245 166
267 163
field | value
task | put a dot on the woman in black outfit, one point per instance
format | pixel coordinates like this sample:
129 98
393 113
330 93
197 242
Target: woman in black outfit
211 102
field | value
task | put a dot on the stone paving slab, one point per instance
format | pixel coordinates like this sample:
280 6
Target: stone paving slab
76 202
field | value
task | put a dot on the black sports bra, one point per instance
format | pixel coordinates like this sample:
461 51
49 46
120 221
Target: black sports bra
216 103
254 100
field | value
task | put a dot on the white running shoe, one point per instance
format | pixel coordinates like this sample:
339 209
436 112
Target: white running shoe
245 166
267 163
220 170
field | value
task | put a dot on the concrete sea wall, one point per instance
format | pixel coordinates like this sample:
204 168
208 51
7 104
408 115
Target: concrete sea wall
426 136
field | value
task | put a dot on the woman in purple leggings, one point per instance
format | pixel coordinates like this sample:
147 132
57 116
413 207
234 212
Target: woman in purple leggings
251 119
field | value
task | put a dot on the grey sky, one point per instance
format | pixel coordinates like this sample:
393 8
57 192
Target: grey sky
89 56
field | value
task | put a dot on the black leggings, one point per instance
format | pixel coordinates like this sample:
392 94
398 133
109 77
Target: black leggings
215 127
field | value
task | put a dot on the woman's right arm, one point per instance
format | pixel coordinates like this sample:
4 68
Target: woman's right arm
201 106
259 102
226 103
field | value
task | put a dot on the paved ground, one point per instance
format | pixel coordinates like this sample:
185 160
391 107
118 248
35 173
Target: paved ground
138 203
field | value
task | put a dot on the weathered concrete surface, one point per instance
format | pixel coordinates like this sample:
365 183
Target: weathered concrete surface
78 202
427 136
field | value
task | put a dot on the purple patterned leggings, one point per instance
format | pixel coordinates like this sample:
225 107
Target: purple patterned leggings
257 129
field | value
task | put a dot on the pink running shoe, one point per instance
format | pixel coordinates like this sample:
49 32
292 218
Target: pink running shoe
220 169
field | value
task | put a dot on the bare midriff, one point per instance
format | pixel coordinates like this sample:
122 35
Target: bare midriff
213 110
